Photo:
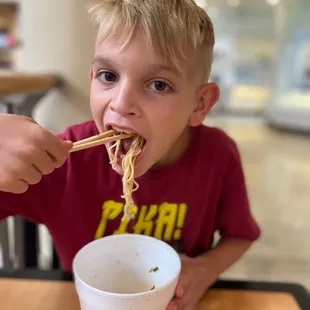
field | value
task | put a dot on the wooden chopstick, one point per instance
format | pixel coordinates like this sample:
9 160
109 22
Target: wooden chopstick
105 134
96 141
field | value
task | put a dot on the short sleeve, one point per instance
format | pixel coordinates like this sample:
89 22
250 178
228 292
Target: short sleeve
38 202
234 217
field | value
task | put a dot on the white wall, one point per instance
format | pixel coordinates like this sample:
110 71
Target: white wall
249 48
58 38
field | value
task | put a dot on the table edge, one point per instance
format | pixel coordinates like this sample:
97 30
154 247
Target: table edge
300 293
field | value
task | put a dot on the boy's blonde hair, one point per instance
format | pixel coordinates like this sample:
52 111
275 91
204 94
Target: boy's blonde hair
174 28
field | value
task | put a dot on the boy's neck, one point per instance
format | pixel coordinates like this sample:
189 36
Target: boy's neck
177 150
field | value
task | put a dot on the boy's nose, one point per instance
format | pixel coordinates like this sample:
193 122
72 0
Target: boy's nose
126 102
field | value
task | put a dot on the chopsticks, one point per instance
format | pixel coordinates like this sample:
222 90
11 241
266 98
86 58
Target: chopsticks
102 138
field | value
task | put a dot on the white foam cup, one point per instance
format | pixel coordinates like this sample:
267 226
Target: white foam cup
126 272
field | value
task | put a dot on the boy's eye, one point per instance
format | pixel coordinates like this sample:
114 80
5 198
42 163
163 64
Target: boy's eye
107 76
160 86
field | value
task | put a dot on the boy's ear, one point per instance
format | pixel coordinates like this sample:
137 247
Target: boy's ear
207 97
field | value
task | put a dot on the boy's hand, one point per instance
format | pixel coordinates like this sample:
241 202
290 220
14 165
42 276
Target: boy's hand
27 152
193 283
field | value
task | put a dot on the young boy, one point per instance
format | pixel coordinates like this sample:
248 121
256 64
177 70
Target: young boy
149 75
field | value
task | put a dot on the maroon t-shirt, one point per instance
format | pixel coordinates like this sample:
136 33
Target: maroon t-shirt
185 203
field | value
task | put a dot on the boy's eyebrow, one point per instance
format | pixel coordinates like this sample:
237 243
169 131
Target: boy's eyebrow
162 67
103 61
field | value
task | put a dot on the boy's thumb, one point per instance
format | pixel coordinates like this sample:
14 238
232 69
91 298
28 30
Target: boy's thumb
68 144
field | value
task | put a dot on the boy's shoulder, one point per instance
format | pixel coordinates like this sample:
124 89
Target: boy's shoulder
215 147
79 131
216 139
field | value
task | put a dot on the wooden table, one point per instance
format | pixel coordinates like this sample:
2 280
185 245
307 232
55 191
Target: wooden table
247 300
30 294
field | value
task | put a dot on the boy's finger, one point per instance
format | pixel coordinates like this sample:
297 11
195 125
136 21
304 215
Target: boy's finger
44 163
179 292
59 151
20 187
177 304
68 144
173 305
32 175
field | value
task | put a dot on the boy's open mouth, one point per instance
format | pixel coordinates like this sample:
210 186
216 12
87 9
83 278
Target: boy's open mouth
125 144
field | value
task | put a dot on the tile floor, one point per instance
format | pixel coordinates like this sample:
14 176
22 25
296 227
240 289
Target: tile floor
277 169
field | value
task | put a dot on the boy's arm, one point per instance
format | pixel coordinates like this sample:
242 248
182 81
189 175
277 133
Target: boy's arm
199 273
235 222
224 255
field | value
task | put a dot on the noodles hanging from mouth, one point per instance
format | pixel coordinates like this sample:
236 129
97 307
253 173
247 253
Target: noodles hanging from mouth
128 165
113 159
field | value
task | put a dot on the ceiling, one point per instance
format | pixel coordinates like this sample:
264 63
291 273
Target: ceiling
258 6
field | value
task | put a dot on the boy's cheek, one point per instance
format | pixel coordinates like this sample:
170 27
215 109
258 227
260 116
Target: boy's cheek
97 113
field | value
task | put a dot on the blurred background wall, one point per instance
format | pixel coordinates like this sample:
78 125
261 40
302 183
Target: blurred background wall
56 37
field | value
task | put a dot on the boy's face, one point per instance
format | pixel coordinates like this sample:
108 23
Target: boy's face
135 89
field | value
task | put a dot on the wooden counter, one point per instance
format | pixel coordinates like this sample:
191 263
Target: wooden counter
17 294
16 83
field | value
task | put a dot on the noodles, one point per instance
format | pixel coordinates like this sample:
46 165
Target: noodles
113 161
128 164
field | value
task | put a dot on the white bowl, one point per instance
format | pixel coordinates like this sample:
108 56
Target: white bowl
126 272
